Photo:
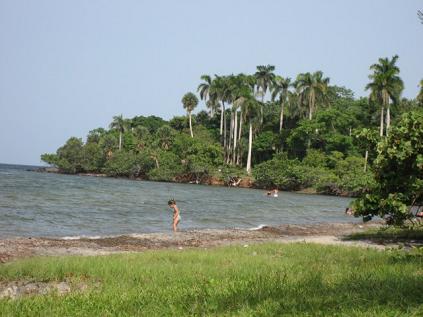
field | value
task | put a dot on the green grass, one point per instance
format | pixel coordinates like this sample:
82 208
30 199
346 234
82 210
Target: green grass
261 280
390 234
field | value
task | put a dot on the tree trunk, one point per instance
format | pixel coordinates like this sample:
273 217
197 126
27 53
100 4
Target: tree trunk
222 114
120 140
190 125
281 118
388 118
250 146
224 136
235 136
240 126
366 156
381 121
229 141
238 159
310 106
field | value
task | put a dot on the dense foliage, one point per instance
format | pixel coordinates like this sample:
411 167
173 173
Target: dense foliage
398 171
267 129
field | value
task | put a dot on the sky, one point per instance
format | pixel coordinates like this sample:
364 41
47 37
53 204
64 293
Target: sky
67 67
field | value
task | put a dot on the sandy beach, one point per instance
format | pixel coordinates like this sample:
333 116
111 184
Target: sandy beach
14 248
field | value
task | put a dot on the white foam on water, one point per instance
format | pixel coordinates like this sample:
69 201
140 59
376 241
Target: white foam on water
258 228
82 237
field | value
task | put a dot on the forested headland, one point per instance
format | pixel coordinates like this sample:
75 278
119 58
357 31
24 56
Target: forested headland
260 130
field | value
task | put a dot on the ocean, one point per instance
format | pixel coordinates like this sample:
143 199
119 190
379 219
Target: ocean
55 205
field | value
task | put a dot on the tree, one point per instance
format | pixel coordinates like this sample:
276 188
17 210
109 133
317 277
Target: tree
385 85
310 87
165 136
251 110
152 123
420 15
94 136
398 172
367 140
219 90
420 95
142 135
190 101
204 91
279 90
121 125
68 158
264 78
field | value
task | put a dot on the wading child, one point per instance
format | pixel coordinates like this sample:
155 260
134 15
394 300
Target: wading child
176 215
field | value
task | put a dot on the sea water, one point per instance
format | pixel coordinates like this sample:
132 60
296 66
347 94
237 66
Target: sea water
56 205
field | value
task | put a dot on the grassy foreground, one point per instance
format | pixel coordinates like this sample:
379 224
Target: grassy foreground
258 280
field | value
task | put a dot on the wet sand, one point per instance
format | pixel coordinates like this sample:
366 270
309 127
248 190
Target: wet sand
14 248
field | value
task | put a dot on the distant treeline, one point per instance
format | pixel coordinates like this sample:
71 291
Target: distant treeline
264 128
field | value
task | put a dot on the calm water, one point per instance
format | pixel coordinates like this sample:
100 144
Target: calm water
41 204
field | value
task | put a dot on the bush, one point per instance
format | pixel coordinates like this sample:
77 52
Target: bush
398 172
128 164
279 172
167 168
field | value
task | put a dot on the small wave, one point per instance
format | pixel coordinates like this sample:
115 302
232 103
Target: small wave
258 227
82 237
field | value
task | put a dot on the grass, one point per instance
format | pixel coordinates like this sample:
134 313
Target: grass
259 280
390 234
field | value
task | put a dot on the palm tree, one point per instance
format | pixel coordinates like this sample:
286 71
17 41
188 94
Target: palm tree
204 91
279 89
310 87
264 79
190 101
215 90
251 110
420 95
120 124
142 135
165 136
385 85
213 105
219 90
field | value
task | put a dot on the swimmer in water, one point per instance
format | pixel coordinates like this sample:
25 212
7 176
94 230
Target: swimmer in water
273 193
176 215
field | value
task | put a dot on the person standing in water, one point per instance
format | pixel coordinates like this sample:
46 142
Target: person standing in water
176 215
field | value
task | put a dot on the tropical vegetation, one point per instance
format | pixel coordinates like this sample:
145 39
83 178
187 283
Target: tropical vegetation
268 130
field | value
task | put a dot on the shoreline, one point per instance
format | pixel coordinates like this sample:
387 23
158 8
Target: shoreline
324 233
212 181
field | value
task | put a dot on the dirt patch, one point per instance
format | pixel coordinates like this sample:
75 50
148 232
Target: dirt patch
18 289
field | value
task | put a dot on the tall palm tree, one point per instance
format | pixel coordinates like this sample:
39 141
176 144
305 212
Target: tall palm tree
420 95
264 79
310 87
190 101
213 105
252 115
204 91
219 89
120 124
385 85
280 88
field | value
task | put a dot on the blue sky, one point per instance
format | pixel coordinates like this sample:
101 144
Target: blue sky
67 67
